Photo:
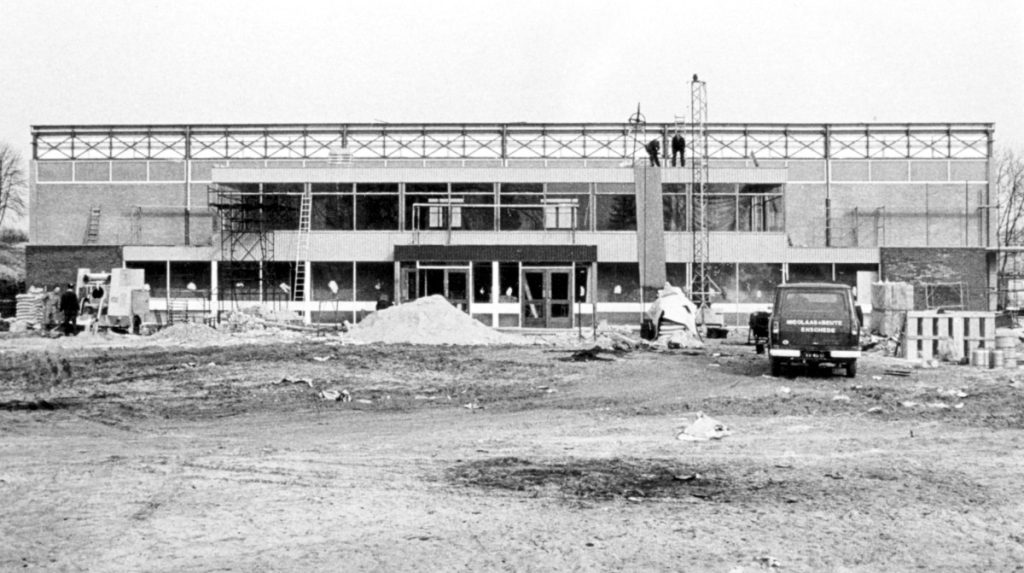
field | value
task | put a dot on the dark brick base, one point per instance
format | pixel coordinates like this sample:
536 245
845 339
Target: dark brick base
920 266
48 266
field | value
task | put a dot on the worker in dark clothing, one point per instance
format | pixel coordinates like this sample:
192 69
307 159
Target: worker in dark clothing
678 146
69 306
654 150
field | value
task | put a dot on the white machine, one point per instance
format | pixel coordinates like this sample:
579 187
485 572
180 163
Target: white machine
118 299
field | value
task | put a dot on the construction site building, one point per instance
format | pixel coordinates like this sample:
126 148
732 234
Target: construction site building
520 225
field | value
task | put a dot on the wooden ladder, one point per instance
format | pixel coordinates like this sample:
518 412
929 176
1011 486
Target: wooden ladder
92 234
302 246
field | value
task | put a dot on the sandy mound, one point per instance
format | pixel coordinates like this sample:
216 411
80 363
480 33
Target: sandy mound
430 320
188 333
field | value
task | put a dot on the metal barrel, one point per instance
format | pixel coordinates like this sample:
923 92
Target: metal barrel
996 359
979 357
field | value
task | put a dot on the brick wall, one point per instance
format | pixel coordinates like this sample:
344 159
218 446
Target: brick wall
919 266
49 266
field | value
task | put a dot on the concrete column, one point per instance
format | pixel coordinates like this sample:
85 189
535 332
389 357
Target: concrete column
307 293
495 290
214 291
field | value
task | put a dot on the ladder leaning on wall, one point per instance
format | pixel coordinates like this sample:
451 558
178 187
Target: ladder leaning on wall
302 244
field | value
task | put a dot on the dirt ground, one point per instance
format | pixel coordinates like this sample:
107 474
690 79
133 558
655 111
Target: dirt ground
131 457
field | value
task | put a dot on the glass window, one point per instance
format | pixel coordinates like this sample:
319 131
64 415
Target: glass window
618 282
675 273
723 282
476 213
332 281
482 282
758 281
520 188
276 276
376 212
333 213
239 280
190 274
374 280
508 277
417 198
810 273
674 209
760 208
582 283
616 213
154 275
527 218
719 207
615 188
280 212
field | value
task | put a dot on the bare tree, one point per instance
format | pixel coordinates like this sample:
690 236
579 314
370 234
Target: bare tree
12 183
1009 187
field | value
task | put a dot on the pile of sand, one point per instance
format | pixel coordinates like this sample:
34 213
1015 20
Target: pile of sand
188 333
430 320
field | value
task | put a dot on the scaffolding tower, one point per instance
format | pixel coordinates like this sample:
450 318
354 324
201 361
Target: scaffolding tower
701 286
246 240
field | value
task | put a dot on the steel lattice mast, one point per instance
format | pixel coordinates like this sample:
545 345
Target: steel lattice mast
700 286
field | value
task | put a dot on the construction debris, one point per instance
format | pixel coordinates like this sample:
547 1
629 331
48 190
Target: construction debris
704 428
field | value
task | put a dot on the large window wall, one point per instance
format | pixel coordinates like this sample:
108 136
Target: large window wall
510 207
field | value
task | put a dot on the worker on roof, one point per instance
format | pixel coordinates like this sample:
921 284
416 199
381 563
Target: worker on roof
69 306
654 150
678 146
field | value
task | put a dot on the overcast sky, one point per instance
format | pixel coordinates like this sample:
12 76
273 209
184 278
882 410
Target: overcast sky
88 62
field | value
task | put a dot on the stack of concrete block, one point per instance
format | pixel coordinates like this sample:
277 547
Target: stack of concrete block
890 302
29 308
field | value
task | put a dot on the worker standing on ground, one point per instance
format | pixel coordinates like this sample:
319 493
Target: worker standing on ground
69 306
654 150
678 146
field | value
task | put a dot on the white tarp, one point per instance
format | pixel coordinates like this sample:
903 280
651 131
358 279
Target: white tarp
672 305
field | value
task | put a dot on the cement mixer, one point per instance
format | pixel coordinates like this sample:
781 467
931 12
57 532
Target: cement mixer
118 299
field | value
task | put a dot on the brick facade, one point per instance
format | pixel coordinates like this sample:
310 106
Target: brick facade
921 266
48 266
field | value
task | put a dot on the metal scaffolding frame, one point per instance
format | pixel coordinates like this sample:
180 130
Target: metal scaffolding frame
701 284
502 141
246 225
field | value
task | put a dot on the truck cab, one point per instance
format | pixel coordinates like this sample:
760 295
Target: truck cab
815 324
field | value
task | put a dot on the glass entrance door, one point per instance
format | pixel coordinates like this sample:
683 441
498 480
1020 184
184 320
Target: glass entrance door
452 284
547 298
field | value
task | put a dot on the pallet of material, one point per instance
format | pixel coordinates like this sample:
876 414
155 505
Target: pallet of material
892 296
29 308
967 330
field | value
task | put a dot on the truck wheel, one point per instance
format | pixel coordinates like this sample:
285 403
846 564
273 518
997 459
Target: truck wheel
851 369
776 366
759 348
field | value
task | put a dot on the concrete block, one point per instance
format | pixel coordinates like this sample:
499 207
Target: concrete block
203 170
129 171
929 170
246 164
166 171
968 171
92 171
806 170
850 171
54 171
892 170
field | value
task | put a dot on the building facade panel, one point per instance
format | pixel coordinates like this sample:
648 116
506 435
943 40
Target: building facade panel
92 171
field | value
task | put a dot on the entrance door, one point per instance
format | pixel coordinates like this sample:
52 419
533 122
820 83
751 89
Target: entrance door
452 284
547 298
